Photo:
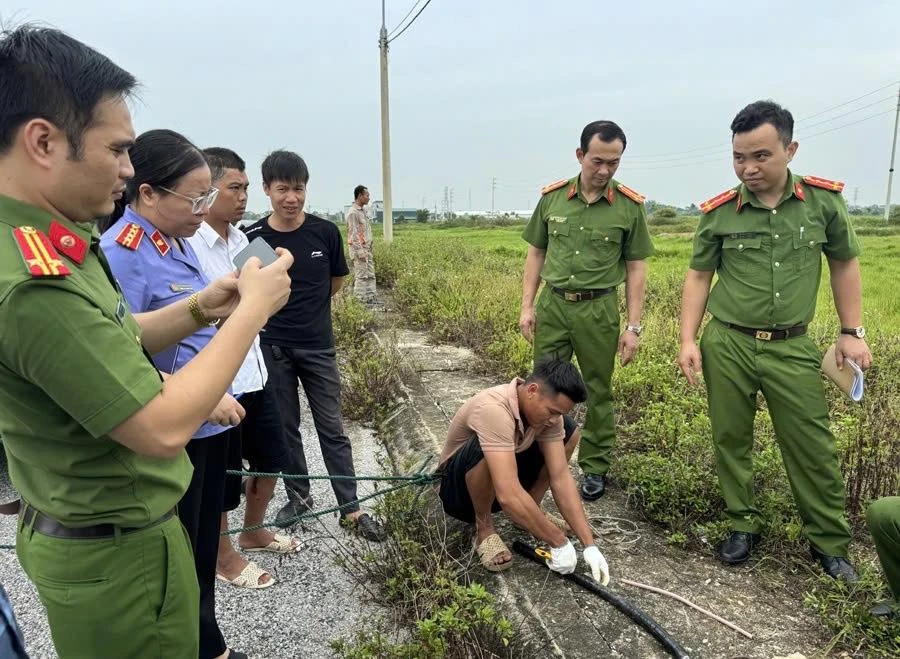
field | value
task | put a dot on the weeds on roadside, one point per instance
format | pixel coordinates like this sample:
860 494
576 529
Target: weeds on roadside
370 371
844 610
435 609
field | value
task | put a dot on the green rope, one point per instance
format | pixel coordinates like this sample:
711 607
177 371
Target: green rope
414 478
417 478
422 481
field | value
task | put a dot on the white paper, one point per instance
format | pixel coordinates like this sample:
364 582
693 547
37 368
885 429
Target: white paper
856 391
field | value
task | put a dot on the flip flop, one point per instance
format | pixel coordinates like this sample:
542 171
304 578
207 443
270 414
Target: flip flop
491 547
282 544
249 578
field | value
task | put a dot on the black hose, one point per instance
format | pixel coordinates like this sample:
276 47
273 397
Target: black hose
654 628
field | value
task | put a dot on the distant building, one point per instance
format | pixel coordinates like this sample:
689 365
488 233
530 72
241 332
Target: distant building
375 211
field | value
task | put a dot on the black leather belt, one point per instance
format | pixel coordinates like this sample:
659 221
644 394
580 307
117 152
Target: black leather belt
770 335
48 526
578 296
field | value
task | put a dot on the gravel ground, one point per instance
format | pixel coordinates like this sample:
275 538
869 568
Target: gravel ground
313 602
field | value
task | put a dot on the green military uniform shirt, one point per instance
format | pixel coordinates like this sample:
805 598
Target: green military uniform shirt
587 244
769 260
72 369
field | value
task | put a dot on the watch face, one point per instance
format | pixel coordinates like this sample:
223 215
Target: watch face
860 332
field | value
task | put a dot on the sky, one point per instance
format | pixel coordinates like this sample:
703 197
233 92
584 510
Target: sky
501 90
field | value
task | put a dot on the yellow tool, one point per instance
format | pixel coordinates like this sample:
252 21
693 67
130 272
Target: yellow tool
543 553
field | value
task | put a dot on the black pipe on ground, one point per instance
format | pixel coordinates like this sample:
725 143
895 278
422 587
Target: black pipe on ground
626 607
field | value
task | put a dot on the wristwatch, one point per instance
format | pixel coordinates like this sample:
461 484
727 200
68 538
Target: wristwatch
858 332
636 329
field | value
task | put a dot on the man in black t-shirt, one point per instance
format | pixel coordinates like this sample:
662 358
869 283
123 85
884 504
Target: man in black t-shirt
298 341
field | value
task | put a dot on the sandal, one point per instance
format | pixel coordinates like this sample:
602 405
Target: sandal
491 547
282 544
249 578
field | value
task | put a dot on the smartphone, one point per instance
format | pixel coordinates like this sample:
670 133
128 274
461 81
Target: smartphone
258 248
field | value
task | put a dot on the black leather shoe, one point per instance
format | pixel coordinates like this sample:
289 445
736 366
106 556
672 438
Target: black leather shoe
593 487
288 515
736 549
886 609
835 566
366 527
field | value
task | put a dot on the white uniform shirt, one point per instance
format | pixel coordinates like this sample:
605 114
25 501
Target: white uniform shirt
216 258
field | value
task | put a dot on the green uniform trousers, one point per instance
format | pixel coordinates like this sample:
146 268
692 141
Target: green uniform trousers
590 329
135 595
737 366
883 518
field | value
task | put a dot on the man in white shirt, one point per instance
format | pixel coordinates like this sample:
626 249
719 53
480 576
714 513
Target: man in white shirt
259 438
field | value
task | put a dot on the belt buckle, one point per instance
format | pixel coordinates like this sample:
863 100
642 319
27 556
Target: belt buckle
763 335
572 297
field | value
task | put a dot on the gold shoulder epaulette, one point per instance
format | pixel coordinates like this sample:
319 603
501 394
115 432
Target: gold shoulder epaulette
816 182
554 186
130 236
40 256
636 197
718 200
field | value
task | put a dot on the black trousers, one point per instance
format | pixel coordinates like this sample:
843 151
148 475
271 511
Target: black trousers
200 511
317 372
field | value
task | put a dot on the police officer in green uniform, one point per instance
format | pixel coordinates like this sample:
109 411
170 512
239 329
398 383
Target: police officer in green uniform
587 235
883 518
765 240
94 439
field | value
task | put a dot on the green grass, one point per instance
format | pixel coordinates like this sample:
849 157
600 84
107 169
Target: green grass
463 284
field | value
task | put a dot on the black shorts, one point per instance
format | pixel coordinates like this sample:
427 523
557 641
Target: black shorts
455 495
259 440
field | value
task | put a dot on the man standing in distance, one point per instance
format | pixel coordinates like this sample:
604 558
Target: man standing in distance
359 238
765 239
95 439
587 235
298 342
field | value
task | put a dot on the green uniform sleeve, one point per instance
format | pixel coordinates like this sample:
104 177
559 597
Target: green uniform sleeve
90 365
638 246
535 232
842 244
707 250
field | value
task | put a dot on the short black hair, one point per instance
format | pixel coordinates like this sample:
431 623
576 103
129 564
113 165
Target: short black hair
358 190
764 112
558 376
219 159
161 158
45 73
608 131
284 166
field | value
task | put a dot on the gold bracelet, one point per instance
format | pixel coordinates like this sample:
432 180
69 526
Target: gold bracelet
194 306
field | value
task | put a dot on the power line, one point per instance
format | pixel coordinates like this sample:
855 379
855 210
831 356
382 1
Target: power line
691 163
852 123
707 151
427 2
411 10
853 100
703 150
844 114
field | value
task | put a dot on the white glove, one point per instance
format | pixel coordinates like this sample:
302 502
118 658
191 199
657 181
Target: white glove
598 565
563 559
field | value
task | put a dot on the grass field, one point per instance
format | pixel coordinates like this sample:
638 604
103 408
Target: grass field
464 285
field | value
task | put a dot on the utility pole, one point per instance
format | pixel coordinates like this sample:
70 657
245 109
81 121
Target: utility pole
493 190
385 135
856 196
887 203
